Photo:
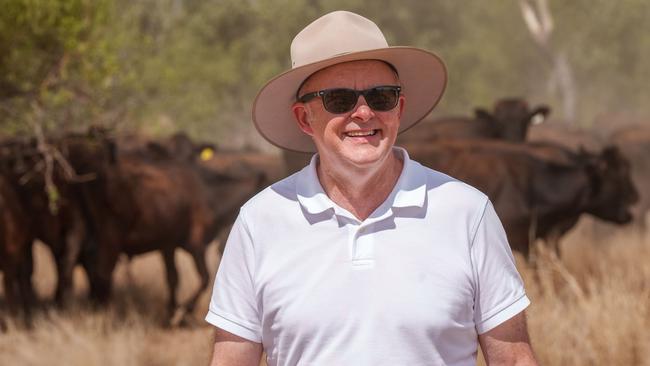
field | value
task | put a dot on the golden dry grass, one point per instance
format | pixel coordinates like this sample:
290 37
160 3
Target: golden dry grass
591 308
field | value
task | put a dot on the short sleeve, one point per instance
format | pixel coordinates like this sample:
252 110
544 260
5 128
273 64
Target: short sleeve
233 306
499 290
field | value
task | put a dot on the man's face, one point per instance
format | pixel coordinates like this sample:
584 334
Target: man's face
362 136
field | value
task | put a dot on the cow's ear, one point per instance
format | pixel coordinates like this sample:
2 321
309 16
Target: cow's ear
182 145
157 150
543 110
481 113
539 114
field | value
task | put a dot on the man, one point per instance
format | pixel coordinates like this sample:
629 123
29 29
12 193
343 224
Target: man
364 257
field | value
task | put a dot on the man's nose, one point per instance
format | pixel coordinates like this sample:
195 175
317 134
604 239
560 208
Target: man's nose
362 110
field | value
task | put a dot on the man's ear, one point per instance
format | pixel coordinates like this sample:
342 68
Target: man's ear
402 102
301 117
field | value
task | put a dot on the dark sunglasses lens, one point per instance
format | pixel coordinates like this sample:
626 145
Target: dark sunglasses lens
339 100
382 99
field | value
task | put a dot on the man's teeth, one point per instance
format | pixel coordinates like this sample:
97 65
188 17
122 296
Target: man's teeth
361 133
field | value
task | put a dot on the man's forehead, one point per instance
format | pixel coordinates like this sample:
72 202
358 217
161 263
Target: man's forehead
348 71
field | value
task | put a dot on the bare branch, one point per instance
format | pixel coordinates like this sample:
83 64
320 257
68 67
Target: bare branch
545 15
68 170
538 20
41 145
532 22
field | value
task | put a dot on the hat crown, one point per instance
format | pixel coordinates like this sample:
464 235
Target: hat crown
335 34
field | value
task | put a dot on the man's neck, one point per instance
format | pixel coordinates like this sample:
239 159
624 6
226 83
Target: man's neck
360 190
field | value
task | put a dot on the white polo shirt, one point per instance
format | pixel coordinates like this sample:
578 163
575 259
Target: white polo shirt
413 284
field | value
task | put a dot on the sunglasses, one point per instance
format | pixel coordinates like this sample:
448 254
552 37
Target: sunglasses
380 98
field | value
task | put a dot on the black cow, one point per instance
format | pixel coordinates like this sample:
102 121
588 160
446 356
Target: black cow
634 142
539 191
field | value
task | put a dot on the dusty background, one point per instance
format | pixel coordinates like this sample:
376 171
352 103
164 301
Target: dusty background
160 66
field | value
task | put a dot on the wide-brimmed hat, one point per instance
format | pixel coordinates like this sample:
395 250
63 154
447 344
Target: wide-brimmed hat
334 38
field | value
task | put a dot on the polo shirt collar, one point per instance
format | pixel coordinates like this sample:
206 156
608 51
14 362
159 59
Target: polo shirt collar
409 191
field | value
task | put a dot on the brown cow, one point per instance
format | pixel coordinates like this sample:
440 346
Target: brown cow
60 226
15 252
509 121
572 138
139 205
539 191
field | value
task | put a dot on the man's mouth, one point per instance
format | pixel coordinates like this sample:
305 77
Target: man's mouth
361 133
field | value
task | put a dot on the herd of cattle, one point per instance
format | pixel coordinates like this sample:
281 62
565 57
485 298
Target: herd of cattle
113 196
92 197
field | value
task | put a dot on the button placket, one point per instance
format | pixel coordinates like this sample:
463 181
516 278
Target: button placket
361 246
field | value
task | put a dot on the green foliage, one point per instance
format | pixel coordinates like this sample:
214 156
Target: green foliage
196 65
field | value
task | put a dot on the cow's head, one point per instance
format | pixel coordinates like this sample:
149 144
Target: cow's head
180 147
613 190
89 153
512 118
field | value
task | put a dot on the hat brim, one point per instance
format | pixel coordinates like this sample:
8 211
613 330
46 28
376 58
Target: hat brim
422 75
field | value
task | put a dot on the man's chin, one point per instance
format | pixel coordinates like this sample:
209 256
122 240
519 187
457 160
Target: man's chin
366 156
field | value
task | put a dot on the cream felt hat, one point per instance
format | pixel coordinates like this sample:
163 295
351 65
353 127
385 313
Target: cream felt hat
334 38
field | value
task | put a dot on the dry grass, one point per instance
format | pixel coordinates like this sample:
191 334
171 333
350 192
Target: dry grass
129 333
591 308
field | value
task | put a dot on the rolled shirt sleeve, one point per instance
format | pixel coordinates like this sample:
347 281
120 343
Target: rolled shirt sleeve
499 290
233 306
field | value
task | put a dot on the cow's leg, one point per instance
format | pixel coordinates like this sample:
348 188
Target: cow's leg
28 271
25 286
198 255
63 281
100 276
172 282
200 237
18 296
12 294
65 266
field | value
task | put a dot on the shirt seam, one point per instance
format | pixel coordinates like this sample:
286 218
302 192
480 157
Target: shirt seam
489 315
235 320
500 310
249 232
477 222
474 232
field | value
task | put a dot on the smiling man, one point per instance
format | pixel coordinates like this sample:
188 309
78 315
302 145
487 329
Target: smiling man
364 257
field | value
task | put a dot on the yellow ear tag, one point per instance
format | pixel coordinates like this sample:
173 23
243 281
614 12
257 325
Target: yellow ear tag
207 154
